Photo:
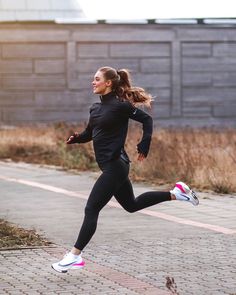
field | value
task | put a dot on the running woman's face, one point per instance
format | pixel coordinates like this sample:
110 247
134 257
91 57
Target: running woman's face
100 85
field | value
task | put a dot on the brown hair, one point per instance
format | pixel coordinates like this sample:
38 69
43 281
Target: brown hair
121 85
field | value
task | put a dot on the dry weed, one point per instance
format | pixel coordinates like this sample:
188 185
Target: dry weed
12 236
205 158
171 285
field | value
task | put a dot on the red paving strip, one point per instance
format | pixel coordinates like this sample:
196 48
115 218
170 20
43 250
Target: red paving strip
112 204
124 279
118 277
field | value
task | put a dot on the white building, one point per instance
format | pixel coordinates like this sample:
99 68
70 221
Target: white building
39 10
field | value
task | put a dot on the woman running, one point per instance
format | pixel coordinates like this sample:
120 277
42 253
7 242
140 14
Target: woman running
107 128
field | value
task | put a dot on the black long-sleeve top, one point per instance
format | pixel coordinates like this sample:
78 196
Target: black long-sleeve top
108 126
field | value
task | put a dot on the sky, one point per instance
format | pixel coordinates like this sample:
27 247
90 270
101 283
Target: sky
152 9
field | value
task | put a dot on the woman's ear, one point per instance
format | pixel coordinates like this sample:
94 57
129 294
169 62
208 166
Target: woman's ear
108 83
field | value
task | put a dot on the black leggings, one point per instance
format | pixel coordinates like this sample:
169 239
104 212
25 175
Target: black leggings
114 181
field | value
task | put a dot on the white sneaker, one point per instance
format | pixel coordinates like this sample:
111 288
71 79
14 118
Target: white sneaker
183 193
70 261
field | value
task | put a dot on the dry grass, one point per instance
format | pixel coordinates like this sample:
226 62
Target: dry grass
45 145
33 144
205 158
12 236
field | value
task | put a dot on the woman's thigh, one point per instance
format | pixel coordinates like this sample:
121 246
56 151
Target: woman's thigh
113 177
125 195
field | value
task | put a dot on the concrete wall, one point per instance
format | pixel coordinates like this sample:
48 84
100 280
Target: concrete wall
46 70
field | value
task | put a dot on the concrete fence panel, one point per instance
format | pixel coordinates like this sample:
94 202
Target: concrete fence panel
46 70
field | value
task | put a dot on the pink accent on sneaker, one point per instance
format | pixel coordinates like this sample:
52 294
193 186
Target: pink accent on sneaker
79 264
179 186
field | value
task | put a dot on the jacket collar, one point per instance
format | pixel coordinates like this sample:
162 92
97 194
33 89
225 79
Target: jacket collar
108 97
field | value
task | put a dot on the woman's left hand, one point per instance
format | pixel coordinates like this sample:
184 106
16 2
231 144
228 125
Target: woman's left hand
141 157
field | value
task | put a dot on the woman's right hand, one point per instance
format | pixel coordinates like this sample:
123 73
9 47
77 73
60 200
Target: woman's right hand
72 138
141 157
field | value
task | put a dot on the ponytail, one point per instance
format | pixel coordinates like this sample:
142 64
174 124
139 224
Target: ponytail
138 96
121 85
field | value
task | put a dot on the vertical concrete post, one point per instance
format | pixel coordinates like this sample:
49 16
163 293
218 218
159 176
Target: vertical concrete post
176 78
71 65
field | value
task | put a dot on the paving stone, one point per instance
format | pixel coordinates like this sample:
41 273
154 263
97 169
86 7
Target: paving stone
128 255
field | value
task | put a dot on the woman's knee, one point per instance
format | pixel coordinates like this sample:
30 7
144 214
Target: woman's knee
130 209
91 211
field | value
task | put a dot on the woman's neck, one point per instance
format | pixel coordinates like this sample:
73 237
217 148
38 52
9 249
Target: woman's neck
108 97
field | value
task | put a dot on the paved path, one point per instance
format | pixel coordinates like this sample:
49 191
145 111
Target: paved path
129 254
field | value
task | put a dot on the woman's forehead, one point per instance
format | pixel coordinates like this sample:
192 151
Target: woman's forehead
98 74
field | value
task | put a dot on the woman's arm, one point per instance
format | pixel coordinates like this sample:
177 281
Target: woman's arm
83 137
147 121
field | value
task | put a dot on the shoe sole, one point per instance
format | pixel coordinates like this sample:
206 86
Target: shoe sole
78 265
194 199
74 266
59 270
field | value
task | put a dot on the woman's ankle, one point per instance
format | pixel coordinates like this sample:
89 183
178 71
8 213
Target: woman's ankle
173 197
75 251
